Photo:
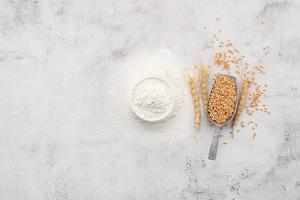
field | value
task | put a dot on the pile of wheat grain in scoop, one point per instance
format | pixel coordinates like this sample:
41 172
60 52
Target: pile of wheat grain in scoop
223 99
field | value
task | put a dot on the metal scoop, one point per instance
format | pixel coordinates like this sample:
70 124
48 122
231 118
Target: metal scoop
214 145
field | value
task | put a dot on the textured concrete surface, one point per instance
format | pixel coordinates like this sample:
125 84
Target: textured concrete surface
66 72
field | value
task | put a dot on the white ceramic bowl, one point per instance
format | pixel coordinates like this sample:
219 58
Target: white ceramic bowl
148 114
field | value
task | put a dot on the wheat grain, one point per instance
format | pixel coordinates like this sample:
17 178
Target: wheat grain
195 96
203 86
222 99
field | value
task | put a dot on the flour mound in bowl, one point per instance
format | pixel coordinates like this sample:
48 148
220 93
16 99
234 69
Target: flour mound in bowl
152 99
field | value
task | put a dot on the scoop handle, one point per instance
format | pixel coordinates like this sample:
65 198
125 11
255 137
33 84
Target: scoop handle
214 145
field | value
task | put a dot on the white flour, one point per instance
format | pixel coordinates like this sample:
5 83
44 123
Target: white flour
152 99
163 65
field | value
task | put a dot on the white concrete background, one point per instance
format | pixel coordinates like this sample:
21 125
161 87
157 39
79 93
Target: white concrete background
67 69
